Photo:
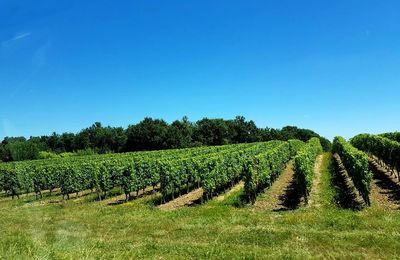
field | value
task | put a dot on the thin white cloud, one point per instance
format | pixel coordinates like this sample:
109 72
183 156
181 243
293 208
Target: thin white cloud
21 36
11 42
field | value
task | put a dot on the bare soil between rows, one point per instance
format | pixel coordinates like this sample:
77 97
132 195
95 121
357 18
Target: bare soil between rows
282 195
346 195
234 189
314 200
184 200
385 190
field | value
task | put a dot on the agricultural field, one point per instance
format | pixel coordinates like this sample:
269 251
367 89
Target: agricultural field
199 129
277 199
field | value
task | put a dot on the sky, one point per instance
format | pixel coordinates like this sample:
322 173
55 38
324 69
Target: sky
330 66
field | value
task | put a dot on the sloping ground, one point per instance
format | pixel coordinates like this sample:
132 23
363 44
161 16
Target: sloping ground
314 200
281 195
183 201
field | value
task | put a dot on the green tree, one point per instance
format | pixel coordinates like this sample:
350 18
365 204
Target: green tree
23 150
180 133
212 132
5 155
149 134
242 131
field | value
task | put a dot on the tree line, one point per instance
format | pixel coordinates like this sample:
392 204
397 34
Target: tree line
149 134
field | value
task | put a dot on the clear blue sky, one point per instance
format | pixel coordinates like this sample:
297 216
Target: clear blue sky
331 66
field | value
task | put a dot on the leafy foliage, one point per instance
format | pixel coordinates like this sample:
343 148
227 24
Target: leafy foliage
22 150
149 134
395 136
304 163
356 164
261 171
386 149
176 169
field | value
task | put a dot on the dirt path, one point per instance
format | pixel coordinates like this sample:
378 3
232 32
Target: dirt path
385 189
81 195
235 188
57 198
122 199
279 195
183 201
45 193
346 194
314 200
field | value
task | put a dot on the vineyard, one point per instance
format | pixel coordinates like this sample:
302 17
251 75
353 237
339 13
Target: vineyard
235 182
174 171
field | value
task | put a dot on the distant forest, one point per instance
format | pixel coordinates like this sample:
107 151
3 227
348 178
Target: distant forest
149 134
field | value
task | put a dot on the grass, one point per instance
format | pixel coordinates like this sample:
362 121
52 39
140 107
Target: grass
85 229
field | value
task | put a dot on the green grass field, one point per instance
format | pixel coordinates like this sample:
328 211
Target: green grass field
87 229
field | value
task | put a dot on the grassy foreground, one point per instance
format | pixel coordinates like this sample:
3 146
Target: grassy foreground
85 229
